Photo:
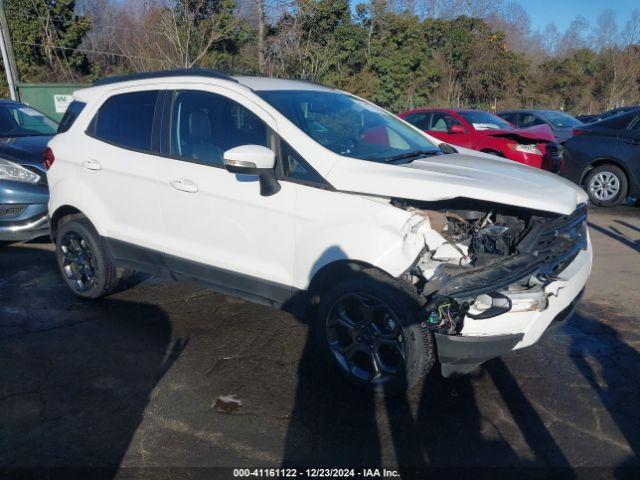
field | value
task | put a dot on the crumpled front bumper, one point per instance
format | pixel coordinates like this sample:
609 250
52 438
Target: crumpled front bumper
482 340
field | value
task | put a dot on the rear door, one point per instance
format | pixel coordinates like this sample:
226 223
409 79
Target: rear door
121 166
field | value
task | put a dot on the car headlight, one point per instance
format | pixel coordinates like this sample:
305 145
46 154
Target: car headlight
525 148
13 171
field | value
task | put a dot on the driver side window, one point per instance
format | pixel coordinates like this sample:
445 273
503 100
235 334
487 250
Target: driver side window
442 122
529 120
204 125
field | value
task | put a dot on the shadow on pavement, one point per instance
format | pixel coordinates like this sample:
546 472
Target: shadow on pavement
81 380
335 425
606 360
614 233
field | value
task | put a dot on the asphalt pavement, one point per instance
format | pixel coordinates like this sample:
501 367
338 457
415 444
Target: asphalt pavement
165 374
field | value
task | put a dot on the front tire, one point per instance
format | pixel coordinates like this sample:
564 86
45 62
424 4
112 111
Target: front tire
368 327
606 185
83 261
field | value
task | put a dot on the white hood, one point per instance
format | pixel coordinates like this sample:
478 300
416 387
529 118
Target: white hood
442 177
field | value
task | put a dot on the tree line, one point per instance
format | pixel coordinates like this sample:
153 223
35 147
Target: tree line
398 53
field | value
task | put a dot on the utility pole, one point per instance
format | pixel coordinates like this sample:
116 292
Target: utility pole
261 33
7 54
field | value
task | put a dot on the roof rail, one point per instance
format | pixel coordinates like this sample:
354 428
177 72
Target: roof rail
179 72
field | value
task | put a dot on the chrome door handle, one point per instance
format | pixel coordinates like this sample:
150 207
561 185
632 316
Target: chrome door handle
184 185
92 165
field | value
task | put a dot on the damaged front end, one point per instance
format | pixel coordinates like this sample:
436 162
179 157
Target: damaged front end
484 260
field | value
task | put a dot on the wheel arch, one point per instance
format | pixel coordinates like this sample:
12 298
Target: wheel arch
605 161
331 271
60 213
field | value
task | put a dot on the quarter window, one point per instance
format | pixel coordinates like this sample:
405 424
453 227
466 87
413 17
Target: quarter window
126 120
296 168
70 115
205 125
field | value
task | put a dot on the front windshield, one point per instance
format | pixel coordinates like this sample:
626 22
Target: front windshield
485 121
560 120
23 121
349 126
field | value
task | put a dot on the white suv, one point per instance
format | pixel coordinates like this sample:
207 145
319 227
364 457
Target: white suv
280 191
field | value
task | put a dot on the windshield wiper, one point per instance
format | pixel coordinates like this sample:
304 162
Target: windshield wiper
415 153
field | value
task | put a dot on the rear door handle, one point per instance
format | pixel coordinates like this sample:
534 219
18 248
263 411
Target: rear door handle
92 165
184 185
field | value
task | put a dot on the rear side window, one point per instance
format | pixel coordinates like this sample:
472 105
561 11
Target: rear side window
73 110
126 120
617 122
509 117
418 119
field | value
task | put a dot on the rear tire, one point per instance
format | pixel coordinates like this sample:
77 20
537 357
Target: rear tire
606 185
84 263
368 327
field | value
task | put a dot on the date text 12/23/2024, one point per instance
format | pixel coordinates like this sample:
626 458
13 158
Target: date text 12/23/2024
315 473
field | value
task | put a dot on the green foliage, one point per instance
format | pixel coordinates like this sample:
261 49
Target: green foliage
398 60
402 61
45 34
569 82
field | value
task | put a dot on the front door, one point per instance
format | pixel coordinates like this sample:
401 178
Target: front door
218 228
445 127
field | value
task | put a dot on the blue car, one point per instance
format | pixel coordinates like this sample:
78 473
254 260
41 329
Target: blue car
24 194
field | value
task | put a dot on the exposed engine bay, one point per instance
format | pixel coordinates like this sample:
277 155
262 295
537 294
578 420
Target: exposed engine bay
482 262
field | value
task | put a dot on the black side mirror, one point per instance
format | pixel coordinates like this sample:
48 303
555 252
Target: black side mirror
446 148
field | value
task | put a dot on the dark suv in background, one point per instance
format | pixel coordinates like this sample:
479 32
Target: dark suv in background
596 117
604 158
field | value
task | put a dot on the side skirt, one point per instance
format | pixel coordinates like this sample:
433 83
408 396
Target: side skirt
224 281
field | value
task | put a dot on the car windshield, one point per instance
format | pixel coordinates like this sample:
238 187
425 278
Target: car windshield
22 121
485 121
349 126
560 120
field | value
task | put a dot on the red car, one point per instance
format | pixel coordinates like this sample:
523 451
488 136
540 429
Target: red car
489 133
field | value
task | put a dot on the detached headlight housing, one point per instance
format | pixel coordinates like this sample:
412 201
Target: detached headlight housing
525 148
17 173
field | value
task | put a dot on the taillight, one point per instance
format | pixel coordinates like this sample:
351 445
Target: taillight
49 158
578 131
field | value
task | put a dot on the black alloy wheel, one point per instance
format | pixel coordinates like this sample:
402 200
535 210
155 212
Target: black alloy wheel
78 262
366 339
